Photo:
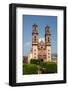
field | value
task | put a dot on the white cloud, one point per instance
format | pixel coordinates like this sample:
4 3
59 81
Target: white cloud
42 39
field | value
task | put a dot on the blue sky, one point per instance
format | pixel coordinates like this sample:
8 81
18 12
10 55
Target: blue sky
41 21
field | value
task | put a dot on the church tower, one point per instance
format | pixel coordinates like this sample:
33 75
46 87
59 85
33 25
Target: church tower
48 43
35 41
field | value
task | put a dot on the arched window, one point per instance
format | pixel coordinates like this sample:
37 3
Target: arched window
48 39
34 49
34 53
41 47
34 56
34 38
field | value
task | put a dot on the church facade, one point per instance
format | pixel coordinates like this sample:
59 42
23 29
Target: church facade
40 49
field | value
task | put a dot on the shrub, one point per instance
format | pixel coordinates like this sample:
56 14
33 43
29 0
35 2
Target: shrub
29 69
32 68
36 61
49 67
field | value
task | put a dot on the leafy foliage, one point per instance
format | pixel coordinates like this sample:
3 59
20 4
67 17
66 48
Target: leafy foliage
29 69
32 68
36 61
49 67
